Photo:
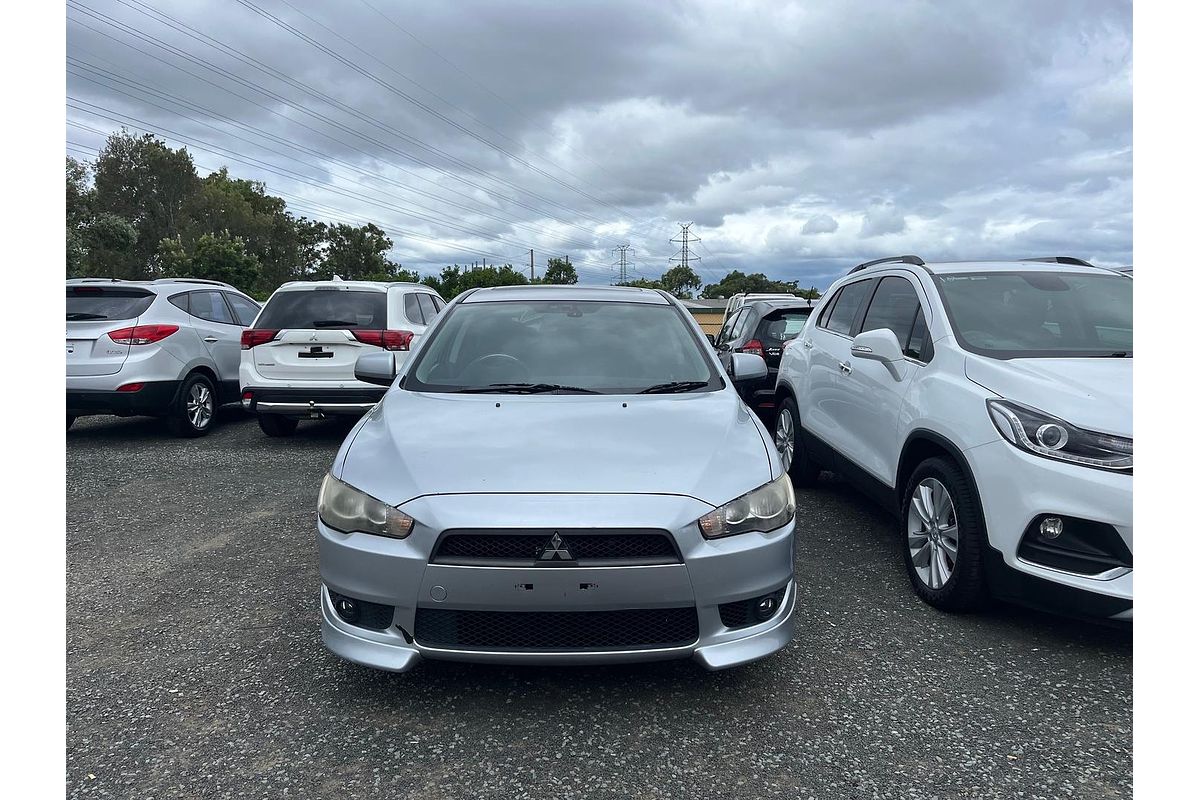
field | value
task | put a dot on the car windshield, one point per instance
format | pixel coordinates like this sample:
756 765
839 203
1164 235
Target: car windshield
325 308
96 302
1040 314
562 346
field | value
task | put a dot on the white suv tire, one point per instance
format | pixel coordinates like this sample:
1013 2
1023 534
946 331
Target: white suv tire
797 461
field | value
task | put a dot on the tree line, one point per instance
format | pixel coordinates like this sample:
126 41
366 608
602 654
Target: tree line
141 211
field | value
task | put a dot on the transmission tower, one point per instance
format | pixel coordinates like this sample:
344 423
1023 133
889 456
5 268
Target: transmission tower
685 239
622 251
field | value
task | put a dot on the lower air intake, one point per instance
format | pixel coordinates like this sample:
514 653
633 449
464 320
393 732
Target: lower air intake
627 629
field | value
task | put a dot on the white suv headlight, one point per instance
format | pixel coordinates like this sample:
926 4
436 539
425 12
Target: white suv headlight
1050 437
765 509
346 509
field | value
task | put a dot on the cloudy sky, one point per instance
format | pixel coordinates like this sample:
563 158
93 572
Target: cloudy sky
798 138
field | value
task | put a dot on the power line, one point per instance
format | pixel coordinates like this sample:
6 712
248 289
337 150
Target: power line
623 265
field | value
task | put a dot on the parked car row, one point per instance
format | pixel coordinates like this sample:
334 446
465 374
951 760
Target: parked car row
552 474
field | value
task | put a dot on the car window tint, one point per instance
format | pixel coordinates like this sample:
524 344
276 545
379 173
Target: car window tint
427 307
743 322
727 329
783 326
101 302
823 319
328 309
845 308
412 309
245 310
918 339
438 303
210 306
180 301
894 307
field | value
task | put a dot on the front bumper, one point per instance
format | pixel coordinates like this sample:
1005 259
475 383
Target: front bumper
397 573
1017 487
152 399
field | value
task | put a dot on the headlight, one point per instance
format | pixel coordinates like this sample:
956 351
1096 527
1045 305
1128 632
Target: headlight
765 509
346 509
1041 434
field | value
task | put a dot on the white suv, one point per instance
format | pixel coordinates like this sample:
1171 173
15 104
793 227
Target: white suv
298 357
991 406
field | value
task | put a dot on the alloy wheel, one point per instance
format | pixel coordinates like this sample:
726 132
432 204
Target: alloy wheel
932 533
785 437
199 406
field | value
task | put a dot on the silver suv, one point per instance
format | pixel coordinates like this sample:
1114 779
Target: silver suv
165 348
298 359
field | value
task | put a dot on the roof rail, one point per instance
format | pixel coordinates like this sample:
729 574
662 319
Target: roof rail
1078 262
916 261
204 281
96 280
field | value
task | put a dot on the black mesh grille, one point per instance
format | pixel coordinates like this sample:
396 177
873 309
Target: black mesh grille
524 548
741 613
557 630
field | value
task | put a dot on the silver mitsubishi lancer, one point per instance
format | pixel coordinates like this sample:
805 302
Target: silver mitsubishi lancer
557 475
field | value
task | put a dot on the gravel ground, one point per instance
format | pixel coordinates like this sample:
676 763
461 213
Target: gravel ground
195 667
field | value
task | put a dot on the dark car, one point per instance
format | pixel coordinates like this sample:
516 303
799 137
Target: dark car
762 327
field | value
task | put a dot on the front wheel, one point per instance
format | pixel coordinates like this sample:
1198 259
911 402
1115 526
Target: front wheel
195 408
944 537
795 457
275 425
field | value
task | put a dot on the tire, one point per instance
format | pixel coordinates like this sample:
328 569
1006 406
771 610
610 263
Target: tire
194 409
70 421
797 461
946 498
276 425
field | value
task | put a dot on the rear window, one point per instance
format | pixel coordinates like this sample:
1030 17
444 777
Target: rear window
783 326
327 309
104 302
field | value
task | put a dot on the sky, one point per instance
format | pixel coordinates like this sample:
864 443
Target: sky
797 138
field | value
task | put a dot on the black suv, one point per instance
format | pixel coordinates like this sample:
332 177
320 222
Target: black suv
762 327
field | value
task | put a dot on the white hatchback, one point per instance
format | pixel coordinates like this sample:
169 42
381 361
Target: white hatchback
991 406
298 357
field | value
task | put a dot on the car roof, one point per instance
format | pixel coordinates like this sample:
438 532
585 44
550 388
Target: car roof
371 286
780 303
622 294
158 285
952 267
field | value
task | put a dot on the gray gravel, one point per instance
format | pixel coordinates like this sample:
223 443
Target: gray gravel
195 667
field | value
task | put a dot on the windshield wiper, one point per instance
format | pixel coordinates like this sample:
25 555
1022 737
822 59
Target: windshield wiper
1119 354
76 316
674 387
524 388
333 323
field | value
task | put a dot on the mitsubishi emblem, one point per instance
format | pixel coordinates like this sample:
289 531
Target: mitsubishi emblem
555 550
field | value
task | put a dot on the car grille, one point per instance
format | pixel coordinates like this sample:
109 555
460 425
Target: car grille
587 548
741 613
627 629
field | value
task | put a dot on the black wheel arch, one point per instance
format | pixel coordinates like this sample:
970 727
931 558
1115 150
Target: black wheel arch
923 443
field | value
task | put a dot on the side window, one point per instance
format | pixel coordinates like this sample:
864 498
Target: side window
180 301
438 303
245 310
823 319
894 307
412 309
210 306
727 330
845 307
743 324
918 345
427 307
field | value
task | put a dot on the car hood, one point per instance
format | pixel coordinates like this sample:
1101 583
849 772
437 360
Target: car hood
704 445
1092 393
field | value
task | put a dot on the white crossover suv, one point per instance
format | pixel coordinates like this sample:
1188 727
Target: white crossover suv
298 357
991 406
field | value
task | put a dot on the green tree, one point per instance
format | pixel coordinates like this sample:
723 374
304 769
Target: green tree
79 211
559 271
736 282
643 283
681 281
357 254
219 257
147 183
106 244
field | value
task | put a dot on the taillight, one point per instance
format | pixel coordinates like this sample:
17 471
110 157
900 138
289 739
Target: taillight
257 336
142 334
388 340
130 387
753 346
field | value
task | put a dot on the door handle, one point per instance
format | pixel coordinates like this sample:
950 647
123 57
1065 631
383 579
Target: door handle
845 367
210 339
807 343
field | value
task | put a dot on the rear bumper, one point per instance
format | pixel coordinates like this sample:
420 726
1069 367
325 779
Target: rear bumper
152 399
301 402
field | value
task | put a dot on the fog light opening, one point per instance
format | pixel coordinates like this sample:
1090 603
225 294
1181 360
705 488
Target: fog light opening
764 609
346 608
1051 527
